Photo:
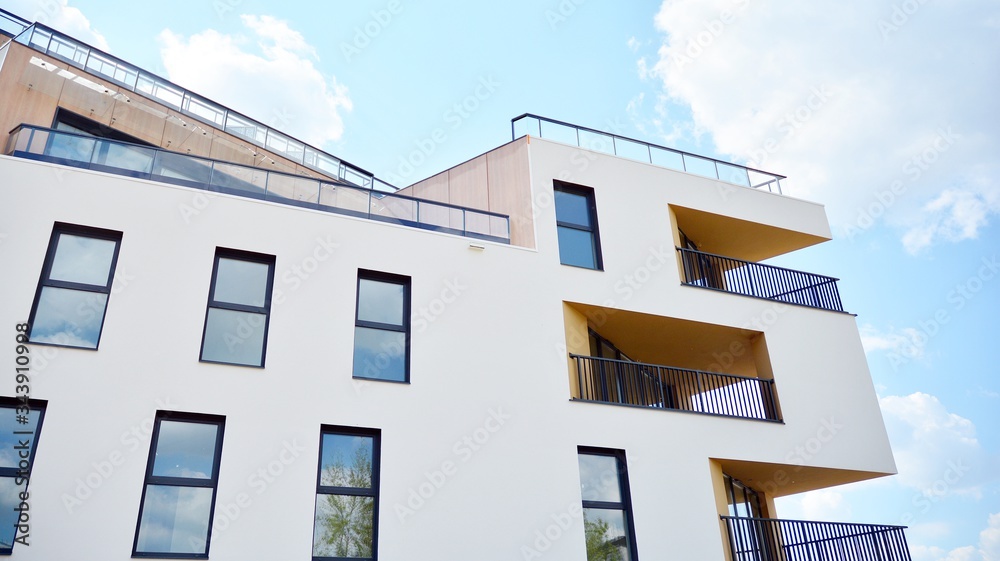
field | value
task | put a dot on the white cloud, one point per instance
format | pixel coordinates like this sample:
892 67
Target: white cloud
633 44
987 550
906 343
953 216
937 452
825 504
826 94
269 75
989 539
59 15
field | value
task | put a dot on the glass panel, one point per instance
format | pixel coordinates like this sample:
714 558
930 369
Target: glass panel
477 222
70 147
394 207
767 181
572 208
246 128
175 519
558 133
700 166
204 109
185 449
40 38
347 461
178 166
526 125
576 247
597 142
605 533
666 158
599 478
9 501
500 227
344 526
632 150
68 49
241 282
251 181
82 259
131 158
380 301
347 198
69 317
234 337
379 354
734 174
156 89
300 189
9 457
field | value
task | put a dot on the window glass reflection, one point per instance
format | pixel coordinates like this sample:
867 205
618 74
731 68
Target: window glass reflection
347 461
234 337
572 208
381 302
175 520
185 449
379 354
68 317
344 526
599 478
241 282
83 260
605 535
576 247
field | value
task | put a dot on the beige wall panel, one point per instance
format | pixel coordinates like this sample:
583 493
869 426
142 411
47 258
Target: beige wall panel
89 97
184 134
510 190
133 116
467 184
433 188
29 94
224 148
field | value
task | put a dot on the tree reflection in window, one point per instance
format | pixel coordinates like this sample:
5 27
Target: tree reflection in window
346 500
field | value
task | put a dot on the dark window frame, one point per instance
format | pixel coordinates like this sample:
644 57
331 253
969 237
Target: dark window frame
376 436
404 328
150 479
594 230
59 228
624 489
14 404
253 257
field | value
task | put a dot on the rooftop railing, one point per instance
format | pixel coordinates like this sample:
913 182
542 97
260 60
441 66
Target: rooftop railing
12 25
89 59
768 539
707 270
145 162
638 384
662 156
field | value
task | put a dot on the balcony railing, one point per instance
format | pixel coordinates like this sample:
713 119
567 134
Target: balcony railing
766 539
11 24
718 272
48 41
624 382
662 156
145 162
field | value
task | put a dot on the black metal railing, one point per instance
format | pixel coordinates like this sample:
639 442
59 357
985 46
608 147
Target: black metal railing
718 272
146 162
625 382
625 147
767 539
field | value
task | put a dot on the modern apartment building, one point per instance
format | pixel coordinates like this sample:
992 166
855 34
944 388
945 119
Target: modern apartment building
224 343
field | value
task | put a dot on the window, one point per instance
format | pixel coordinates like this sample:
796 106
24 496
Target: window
20 424
182 473
346 521
576 222
382 327
73 291
239 305
607 508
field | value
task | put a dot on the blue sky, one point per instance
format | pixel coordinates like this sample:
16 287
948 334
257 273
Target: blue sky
883 110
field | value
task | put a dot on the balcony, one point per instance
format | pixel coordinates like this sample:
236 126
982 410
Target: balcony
765 539
144 162
623 382
615 145
736 276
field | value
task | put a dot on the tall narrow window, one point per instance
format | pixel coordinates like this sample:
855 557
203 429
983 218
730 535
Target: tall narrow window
20 424
607 507
346 523
182 473
382 327
239 306
576 222
73 292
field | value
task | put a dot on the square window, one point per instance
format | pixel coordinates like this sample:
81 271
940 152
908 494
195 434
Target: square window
74 288
382 327
182 474
576 226
346 517
239 307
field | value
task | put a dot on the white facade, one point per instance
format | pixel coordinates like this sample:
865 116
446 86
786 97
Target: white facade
479 449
